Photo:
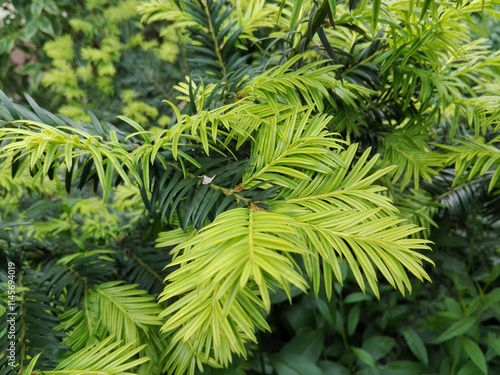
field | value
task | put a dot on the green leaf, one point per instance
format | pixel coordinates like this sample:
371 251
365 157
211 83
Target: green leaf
136 126
108 183
36 7
457 329
4 60
416 344
51 7
49 157
333 6
121 310
404 368
30 29
108 355
333 368
230 266
292 364
46 26
353 319
14 224
96 155
469 369
493 344
475 354
379 346
364 356
6 44
357 297
324 310
308 344
375 13
32 364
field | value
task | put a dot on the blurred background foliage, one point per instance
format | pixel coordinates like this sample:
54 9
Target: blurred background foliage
94 55
108 58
